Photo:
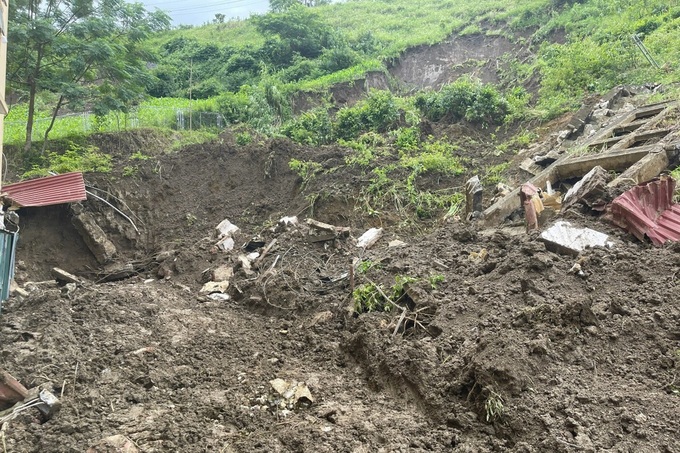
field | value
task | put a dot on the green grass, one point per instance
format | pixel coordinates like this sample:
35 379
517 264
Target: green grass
159 112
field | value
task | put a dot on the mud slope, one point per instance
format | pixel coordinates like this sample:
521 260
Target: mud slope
511 352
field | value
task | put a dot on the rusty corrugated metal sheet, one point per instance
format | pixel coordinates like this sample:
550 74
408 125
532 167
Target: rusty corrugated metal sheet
648 210
66 188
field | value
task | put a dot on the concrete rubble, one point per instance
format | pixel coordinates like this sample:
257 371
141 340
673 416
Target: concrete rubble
369 238
95 238
225 232
563 237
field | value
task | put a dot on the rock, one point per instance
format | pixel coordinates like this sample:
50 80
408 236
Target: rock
215 287
223 273
114 444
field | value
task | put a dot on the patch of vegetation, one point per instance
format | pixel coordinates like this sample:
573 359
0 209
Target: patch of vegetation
370 297
366 265
494 406
494 174
435 280
243 138
378 113
85 159
306 170
367 298
311 128
467 99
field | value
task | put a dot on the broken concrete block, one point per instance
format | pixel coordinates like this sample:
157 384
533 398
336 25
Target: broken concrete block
226 228
11 390
290 394
223 273
95 238
590 189
564 238
62 276
225 231
339 231
369 238
226 243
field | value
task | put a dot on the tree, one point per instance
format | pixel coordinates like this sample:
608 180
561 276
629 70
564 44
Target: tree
299 30
82 52
279 6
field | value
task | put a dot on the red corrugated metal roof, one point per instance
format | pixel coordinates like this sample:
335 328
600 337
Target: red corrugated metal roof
66 188
648 210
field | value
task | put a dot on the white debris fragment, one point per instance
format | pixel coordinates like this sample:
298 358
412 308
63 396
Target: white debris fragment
369 238
226 243
225 231
288 221
562 237
219 297
253 256
396 243
215 287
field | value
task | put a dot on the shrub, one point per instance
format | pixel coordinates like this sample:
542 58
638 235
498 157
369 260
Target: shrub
407 138
464 99
76 158
312 128
378 113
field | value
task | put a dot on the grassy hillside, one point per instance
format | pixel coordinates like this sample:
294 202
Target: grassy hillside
248 71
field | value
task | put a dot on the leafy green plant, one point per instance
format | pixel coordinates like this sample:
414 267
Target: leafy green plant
368 298
312 128
435 280
466 98
378 113
437 156
137 155
130 171
76 158
243 138
407 138
494 174
306 170
399 287
366 265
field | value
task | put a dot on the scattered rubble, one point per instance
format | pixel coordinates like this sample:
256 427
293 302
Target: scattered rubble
289 395
225 232
591 190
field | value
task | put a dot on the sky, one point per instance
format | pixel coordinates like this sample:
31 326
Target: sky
196 12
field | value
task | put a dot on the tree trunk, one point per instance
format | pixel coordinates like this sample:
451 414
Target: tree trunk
33 89
54 117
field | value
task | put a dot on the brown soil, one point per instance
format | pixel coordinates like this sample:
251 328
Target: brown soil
512 353
577 363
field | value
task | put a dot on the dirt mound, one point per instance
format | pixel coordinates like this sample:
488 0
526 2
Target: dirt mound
501 351
491 344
